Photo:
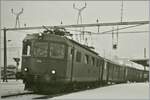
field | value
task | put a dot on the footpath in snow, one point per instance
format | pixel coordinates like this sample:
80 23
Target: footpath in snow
11 87
128 91
136 91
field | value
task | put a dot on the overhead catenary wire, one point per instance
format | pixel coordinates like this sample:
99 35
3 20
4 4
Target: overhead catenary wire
95 33
109 32
127 32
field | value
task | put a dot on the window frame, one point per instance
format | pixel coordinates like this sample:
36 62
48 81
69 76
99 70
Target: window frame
65 49
26 44
92 60
47 49
48 55
86 58
78 56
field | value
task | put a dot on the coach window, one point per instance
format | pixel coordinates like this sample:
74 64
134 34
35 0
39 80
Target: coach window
86 59
92 60
97 62
78 56
105 66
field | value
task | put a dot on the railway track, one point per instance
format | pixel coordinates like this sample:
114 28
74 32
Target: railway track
64 93
17 94
46 96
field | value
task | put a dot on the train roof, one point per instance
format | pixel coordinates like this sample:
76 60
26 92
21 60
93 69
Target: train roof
126 63
35 36
134 65
84 46
131 64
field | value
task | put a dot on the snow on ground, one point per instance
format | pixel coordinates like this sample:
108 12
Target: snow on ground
12 86
136 91
128 91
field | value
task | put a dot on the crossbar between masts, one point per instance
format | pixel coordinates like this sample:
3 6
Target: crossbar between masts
80 25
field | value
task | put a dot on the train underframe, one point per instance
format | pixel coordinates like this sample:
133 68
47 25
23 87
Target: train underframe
39 84
54 86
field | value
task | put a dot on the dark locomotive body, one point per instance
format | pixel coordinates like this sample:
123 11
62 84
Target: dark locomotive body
51 61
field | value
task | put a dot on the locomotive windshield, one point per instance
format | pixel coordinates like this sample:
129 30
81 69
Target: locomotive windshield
57 50
40 49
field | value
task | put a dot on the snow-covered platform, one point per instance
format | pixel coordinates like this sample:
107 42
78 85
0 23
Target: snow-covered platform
128 91
136 91
11 87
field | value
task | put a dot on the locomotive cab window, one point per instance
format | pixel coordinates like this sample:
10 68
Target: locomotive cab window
40 49
78 56
57 50
26 48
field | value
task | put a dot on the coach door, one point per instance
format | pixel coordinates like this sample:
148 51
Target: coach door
105 71
72 62
101 67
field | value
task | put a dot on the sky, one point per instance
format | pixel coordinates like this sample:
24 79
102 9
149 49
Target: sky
38 13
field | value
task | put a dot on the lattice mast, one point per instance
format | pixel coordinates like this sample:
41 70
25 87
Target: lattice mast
17 22
79 18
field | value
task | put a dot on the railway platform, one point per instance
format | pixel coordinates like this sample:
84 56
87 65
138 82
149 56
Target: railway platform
11 87
125 91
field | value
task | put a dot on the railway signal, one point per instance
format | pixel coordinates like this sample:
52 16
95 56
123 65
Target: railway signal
17 60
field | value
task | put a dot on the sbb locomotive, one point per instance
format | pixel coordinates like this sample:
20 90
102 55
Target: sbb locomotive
53 62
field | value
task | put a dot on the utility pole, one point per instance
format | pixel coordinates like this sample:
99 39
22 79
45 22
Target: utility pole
98 25
144 52
121 12
144 66
17 17
5 57
61 22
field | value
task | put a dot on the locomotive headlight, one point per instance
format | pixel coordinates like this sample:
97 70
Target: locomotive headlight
25 69
40 34
40 37
53 71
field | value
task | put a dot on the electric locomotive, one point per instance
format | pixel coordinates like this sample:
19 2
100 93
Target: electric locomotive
48 60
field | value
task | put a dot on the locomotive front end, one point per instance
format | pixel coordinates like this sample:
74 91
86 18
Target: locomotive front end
44 62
